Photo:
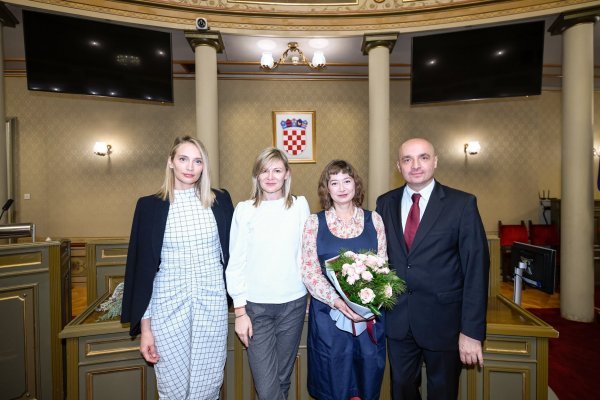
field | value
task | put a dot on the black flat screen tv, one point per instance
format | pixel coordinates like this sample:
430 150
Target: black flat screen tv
540 265
81 56
501 61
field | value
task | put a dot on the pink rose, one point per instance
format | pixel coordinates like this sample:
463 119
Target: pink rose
352 277
372 261
367 276
366 295
345 269
359 267
387 291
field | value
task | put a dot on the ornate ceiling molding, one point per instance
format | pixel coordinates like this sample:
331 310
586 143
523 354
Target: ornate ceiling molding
312 16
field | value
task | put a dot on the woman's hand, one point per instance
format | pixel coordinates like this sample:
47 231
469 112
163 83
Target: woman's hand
243 325
341 305
147 347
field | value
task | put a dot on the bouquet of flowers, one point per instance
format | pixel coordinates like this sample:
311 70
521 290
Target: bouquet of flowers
365 281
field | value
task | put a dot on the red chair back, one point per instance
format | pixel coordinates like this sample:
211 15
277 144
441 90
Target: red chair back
544 235
512 233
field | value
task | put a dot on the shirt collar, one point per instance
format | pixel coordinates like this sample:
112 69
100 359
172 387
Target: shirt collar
425 192
354 216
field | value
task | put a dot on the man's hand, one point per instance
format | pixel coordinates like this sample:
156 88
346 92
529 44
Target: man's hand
470 350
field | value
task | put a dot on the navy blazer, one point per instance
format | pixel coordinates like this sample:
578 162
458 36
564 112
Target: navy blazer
145 245
446 270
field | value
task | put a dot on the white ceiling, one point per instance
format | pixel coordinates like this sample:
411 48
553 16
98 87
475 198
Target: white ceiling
241 49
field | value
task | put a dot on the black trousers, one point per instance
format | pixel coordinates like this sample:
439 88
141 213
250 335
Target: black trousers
443 370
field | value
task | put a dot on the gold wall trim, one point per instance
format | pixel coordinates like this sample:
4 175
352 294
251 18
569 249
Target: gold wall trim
297 377
111 264
72 370
365 16
23 272
55 279
498 346
238 370
20 260
299 2
90 261
542 369
98 347
114 253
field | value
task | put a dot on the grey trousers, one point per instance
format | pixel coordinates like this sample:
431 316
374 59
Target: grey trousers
272 350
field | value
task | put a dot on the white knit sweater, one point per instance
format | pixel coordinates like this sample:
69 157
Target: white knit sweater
266 252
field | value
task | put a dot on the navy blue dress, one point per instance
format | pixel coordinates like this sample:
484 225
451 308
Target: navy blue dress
340 365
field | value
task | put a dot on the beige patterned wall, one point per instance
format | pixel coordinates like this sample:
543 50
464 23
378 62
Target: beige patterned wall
77 194
246 128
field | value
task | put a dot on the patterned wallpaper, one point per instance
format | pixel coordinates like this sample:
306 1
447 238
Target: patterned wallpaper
77 194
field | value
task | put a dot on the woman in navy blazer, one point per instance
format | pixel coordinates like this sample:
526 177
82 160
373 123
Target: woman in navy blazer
183 232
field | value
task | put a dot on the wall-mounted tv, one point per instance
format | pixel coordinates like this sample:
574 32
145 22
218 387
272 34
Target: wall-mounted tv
500 61
82 56
540 270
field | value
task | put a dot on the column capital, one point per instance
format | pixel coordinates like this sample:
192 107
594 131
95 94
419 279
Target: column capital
209 38
373 40
566 20
6 17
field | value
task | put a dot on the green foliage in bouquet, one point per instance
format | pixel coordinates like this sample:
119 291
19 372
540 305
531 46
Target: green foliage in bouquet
367 279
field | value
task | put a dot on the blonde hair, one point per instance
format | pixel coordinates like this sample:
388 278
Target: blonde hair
266 157
202 185
333 168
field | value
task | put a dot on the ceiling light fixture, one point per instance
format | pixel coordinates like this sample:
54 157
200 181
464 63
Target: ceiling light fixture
294 56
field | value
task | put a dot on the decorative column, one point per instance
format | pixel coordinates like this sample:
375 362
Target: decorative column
577 197
379 47
206 45
6 19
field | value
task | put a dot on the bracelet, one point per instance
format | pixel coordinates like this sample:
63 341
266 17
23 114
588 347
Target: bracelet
241 315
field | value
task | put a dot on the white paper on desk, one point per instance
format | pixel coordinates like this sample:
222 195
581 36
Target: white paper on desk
341 321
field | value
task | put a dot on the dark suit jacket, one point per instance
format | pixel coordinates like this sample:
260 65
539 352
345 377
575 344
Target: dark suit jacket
145 245
446 271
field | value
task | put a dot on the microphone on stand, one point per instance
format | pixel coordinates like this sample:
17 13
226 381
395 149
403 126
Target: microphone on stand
5 207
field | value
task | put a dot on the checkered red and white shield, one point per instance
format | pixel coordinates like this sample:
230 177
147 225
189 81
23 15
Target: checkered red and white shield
294 140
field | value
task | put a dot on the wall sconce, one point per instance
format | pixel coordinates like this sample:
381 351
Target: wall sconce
295 56
102 149
472 148
596 151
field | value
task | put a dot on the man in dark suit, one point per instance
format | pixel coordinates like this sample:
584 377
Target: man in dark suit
437 244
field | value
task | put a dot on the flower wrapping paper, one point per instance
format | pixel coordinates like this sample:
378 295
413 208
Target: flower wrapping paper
341 321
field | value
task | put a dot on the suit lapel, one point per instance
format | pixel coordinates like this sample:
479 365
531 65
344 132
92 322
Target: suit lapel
397 218
432 212
161 211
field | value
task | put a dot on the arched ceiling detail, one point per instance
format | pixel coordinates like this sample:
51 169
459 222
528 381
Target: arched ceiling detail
318 17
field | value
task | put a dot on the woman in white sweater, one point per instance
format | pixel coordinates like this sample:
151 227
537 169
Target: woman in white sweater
263 275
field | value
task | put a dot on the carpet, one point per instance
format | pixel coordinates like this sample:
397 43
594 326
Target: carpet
573 356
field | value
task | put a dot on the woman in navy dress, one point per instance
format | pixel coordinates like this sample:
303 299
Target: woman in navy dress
341 366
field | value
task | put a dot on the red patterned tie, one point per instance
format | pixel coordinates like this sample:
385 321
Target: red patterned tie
412 222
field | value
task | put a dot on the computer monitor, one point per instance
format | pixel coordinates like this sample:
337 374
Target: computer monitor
540 265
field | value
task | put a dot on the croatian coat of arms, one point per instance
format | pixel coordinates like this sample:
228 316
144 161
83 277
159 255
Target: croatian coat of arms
294 135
